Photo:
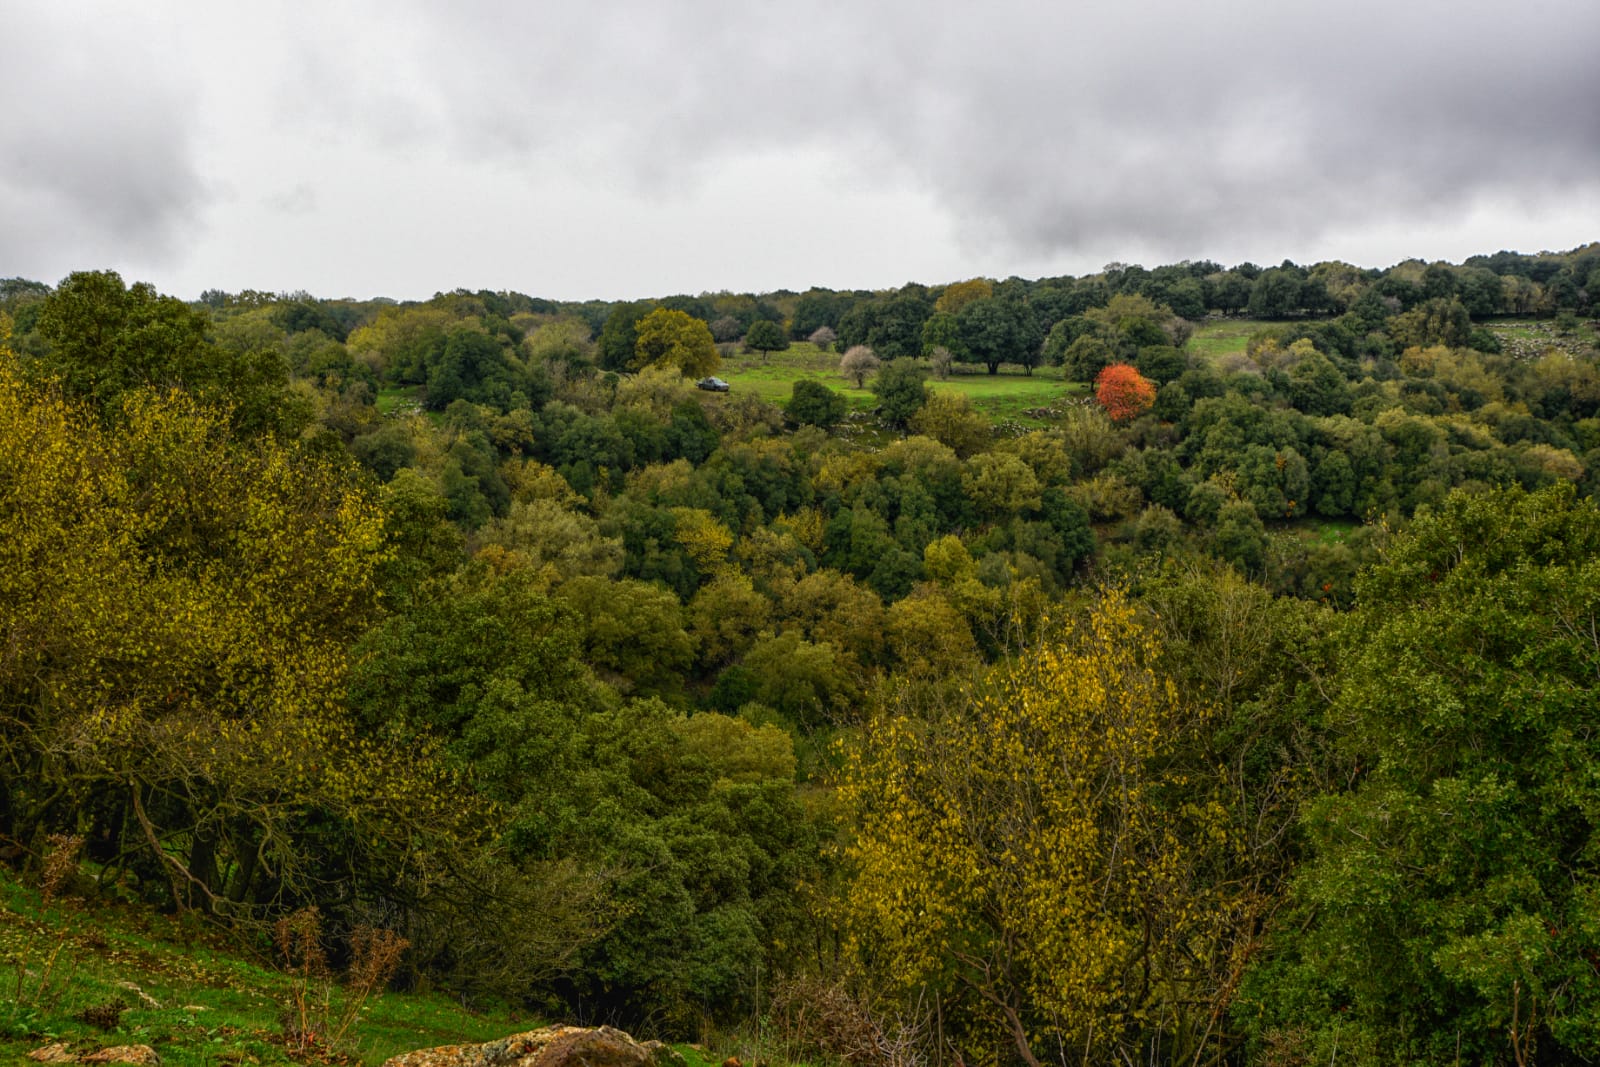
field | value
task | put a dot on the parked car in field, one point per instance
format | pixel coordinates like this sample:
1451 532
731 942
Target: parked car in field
716 385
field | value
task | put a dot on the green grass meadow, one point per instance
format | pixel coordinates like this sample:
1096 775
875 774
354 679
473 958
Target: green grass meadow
1215 338
1218 337
1327 531
393 398
1006 396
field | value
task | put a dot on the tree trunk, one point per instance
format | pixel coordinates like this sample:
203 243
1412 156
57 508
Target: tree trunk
1019 1034
244 872
203 864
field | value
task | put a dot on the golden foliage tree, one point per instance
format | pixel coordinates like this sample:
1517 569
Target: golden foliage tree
669 338
958 295
949 418
704 538
726 616
1032 850
176 604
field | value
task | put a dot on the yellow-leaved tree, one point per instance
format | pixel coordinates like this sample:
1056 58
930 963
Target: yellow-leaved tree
176 609
674 339
1035 853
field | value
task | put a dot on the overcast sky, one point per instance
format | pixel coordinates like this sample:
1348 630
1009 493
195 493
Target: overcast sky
625 149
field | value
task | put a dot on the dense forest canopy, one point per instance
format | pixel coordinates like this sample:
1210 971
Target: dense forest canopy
1233 703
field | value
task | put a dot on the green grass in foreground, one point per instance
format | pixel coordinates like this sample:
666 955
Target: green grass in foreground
189 994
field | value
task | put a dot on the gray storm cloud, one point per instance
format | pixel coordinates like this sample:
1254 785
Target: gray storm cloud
1049 127
1041 130
97 148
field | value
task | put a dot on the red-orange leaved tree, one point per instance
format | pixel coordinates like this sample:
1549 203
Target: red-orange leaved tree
1124 392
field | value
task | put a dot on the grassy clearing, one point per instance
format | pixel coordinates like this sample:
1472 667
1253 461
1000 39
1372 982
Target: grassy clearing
773 378
1012 396
1006 396
1525 329
1215 338
96 975
1534 338
1521 337
391 399
1326 531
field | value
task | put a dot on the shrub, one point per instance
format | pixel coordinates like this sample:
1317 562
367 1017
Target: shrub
814 404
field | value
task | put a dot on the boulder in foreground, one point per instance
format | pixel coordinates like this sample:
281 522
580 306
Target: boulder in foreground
553 1046
61 1052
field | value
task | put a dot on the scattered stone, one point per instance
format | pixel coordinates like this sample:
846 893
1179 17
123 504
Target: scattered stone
144 998
552 1046
136 1054
60 1052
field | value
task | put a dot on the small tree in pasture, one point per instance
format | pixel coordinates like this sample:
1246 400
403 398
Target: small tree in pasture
857 363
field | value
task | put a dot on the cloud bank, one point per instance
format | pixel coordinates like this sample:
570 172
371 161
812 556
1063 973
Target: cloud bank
97 152
1025 132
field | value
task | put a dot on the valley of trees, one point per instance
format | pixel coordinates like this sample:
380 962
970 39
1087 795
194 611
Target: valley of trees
1236 708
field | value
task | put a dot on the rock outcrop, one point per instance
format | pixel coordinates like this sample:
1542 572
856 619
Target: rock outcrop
553 1046
61 1052
142 1055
